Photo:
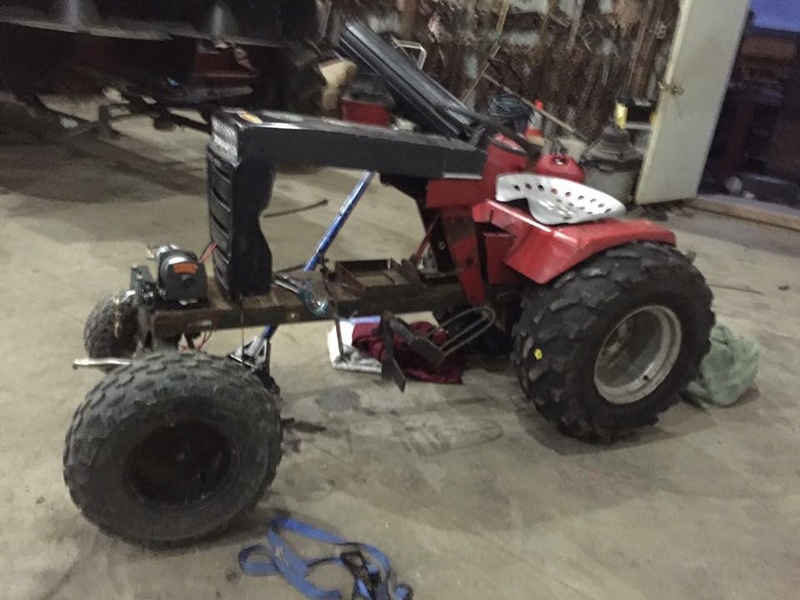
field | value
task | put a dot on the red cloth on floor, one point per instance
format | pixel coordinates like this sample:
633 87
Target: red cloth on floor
367 338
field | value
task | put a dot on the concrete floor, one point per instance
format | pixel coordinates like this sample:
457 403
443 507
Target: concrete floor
472 495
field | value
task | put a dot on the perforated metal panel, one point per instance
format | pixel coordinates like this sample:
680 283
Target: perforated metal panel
554 201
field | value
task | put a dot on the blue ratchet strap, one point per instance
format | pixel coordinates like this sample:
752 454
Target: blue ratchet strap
374 579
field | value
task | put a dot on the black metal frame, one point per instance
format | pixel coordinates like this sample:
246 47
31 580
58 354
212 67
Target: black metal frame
367 287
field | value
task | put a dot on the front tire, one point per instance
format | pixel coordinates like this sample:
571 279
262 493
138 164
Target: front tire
102 338
172 448
608 346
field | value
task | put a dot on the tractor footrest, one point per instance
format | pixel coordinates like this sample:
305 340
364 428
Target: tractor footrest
379 278
390 327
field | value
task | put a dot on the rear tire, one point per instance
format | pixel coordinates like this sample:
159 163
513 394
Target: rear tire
633 322
172 448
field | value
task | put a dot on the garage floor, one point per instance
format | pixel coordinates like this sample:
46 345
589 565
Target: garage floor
472 495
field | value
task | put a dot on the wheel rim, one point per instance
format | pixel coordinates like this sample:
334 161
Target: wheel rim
638 354
180 464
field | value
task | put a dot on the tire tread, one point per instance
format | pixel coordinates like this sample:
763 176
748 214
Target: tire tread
129 391
99 339
561 315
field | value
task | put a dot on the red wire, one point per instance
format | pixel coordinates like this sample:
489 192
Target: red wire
206 337
208 252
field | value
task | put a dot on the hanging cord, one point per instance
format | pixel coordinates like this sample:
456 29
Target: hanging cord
294 211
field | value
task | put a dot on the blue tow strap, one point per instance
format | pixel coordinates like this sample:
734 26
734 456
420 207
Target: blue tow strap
374 578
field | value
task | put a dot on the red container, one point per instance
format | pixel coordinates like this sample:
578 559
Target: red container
561 166
366 113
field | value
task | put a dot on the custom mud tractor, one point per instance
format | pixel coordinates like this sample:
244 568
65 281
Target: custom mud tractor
165 55
608 321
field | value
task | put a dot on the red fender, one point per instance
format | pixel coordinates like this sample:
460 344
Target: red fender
542 253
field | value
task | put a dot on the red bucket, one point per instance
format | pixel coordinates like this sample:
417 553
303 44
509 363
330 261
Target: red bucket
367 113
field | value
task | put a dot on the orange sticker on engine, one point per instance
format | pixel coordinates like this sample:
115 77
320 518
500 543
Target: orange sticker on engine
185 268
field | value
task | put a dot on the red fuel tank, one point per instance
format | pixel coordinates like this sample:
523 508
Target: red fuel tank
559 165
366 113
367 101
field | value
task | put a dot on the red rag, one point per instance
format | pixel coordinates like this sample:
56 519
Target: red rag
368 339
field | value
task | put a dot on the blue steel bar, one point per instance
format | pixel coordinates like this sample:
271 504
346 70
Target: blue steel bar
325 243
344 213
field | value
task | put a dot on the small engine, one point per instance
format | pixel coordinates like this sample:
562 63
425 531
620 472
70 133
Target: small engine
182 277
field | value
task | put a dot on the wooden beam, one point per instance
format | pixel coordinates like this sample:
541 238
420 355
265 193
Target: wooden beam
645 59
750 210
501 21
576 23
408 18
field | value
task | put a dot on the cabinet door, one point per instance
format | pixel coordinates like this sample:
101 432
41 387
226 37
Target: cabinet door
703 53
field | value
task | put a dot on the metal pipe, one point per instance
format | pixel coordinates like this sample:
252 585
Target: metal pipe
339 341
404 46
100 363
336 226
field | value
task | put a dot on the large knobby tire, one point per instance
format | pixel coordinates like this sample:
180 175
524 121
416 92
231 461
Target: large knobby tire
608 346
100 337
172 448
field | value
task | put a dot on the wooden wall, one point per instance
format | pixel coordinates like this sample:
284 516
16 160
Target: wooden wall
576 55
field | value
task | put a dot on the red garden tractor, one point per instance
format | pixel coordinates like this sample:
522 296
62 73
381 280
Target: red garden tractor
608 321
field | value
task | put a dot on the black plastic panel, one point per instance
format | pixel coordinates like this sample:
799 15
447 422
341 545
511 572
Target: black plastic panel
291 140
236 198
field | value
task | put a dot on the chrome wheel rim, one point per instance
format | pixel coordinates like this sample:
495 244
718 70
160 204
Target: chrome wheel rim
638 354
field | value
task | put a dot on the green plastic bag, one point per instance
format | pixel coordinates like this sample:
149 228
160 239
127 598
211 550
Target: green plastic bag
729 368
